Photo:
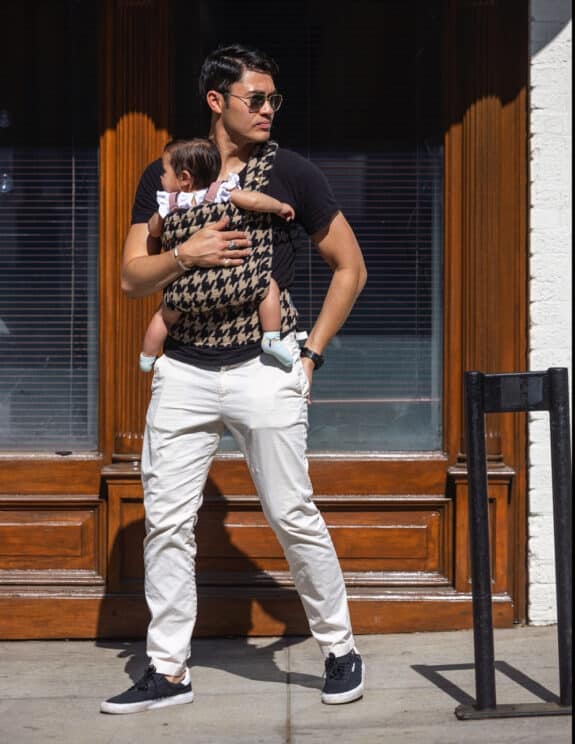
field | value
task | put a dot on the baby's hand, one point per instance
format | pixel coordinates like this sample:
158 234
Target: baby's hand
286 211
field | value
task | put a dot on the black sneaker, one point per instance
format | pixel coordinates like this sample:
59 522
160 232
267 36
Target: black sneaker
151 691
343 679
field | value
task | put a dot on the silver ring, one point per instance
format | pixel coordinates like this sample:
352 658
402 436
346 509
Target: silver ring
232 245
226 261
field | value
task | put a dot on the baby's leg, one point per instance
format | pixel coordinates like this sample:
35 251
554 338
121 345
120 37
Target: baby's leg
156 334
270 309
271 321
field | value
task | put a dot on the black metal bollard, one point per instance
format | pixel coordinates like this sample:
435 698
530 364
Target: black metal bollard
562 515
499 393
479 541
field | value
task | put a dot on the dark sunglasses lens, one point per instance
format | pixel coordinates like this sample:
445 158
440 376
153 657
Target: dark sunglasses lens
258 100
275 101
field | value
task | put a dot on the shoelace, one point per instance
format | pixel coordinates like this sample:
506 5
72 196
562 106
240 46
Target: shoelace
338 668
145 679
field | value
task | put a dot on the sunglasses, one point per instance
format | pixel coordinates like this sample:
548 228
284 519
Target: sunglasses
256 101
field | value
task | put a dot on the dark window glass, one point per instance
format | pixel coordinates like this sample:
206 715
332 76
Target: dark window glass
48 226
362 86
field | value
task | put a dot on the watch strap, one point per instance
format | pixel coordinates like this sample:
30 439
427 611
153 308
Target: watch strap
316 358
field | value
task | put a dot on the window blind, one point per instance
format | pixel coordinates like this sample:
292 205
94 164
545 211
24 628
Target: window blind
362 86
49 229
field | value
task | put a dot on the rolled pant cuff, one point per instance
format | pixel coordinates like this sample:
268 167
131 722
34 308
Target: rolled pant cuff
340 649
168 667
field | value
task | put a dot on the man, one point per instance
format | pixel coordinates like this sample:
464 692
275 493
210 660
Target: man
264 405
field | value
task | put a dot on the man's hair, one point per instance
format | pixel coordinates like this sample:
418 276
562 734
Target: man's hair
198 156
225 66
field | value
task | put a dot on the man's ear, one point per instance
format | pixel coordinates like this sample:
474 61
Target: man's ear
215 101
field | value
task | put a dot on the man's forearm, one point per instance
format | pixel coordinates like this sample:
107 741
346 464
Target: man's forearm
345 287
144 275
144 269
338 246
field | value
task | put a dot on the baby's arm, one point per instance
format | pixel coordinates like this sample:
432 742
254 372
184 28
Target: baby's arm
155 225
255 201
156 221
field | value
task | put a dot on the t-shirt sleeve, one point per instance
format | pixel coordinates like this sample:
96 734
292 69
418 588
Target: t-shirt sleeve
226 187
145 202
309 191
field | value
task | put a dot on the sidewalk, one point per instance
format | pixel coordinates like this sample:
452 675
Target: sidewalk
267 690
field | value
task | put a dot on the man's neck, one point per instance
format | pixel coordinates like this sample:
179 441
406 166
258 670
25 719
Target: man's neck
234 155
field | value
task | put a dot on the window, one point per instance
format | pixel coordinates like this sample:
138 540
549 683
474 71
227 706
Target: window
49 227
362 93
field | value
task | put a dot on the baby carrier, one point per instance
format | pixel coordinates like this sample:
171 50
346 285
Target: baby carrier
220 305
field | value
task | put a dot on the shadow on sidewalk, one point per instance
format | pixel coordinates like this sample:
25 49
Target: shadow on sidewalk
435 675
232 655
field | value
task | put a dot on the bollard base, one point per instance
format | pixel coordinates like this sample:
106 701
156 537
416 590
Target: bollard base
470 712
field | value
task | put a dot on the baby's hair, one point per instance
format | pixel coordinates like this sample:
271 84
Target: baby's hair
200 157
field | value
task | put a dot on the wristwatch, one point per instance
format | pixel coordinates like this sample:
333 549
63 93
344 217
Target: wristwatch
317 359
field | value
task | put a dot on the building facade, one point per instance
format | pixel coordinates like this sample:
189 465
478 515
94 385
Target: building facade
550 239
443 129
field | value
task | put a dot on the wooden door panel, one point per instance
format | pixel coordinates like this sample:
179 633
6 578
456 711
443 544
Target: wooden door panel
498 507
379 540
51 540
50 475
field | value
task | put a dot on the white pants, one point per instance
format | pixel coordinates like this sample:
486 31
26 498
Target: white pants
265 409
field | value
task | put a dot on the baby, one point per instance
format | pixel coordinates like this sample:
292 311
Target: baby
191 168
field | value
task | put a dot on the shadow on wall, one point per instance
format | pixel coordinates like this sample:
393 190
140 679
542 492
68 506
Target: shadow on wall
546 22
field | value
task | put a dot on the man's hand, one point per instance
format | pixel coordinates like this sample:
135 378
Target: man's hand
146 269
308 368
214 246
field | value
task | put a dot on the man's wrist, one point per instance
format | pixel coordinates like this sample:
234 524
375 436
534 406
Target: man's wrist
179 261
316 358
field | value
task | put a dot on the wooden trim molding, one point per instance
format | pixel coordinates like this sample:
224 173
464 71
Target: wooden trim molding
136 97
42 475
486 236
233 612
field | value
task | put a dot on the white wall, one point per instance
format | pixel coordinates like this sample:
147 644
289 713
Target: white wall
549 270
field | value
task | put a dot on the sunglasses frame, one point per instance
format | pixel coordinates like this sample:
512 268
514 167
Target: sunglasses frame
253 108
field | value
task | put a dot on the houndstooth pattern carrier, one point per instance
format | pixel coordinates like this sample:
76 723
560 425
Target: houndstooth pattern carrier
220 305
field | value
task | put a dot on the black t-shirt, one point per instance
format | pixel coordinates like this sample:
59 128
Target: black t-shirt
293 180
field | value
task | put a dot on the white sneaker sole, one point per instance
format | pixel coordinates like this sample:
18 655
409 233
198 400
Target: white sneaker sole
345 697
119 709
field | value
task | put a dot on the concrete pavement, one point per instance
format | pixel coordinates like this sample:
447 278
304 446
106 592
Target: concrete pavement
268 690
